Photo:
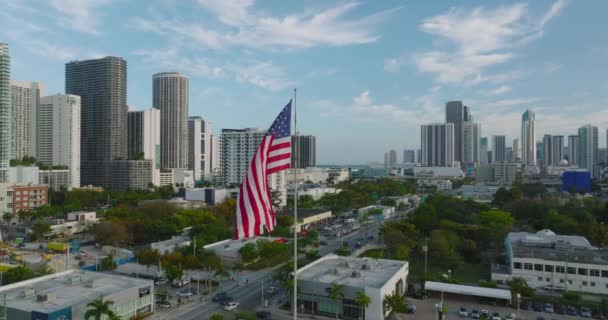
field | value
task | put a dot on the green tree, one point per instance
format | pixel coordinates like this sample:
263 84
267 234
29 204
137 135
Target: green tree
519 285
99 308
147 257
39 230
173 272
17 274
336 294
249 252
107 264
395 303
217 316
112 233
363 301
343 251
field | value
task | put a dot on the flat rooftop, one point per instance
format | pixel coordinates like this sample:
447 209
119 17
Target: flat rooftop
66 293
336 269
575 255
304 213
231 247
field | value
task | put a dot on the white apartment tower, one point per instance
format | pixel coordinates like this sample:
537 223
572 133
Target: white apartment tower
171 97
58 134
143 138
195 144
5 111
471 142
25 97
437 142
206 147
528 139
588 149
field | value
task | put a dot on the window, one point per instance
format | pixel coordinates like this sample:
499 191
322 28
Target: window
538 267
528 266
560 269
571 270
540 278
592 284
548 279
561 281
582 271
594 272
517 265
569 281
604 273
585 283
548 268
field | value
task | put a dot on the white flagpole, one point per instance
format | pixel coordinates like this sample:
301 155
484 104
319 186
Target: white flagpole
295 210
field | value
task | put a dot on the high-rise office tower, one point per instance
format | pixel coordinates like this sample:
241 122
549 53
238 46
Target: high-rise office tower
573 149
516 150
528 138
499 149
102 87
215 159
547 151
387 160
58 134
509 155
237 148
471 152
206 134
25 98
540 153
483 147
171 97
557 149
437 141
602 153
5 111
392 155
144 138
457 113
195 145
419 156
587 149
409 156
307 151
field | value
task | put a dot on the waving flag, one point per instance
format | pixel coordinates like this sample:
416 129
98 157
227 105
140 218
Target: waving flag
254 207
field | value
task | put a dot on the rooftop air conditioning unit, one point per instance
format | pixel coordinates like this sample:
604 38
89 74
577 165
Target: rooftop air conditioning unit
356 274
28 292
46 297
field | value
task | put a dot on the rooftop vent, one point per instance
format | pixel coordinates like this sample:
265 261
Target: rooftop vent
333 271
343 264
366 267
46 297
95 283
28 292
356 274
74 280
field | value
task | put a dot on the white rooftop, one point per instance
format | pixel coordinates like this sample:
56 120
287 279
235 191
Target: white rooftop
547 237
468 290
66 293
231 247
351 271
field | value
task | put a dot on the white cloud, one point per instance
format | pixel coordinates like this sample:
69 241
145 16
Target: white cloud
170 58
473 41
80 15
513 102
551 68
244 28
263 74
499 90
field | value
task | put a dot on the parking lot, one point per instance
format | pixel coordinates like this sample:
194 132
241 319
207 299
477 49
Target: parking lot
425 309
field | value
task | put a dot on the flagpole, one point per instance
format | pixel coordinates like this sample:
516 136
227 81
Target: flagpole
295 210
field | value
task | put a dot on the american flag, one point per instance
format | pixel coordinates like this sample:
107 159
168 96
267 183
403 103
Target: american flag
254 207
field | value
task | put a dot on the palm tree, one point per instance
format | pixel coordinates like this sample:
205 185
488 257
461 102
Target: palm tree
363 301
395 302
335 294
98 307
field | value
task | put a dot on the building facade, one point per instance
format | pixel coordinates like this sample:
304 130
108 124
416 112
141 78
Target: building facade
206 147
56 179
503 172
102 87
573 149
237 149
409 156
516 150
129 175
6 114
528 138
195 146
471 140
306 155
483 147
58 142
25 98
390 159
144 138
28 197
437 142
499 149
588 149
457 114
171 96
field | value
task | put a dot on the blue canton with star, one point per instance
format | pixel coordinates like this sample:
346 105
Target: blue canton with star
281 127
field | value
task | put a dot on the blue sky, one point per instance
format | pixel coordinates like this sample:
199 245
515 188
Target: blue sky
368 73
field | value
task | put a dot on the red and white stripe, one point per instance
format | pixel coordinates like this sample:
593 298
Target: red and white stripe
254 207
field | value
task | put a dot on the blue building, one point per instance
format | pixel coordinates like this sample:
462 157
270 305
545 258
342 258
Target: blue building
578 180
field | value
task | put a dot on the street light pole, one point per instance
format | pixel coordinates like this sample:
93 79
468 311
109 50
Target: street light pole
518 301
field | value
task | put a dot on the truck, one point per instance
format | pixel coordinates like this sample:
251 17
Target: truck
57 246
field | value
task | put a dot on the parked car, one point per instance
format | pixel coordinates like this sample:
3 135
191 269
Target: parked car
271 290
219 296
263 315
160 282
598 315
572 311
475 314
462 312
496 316
231 305
163 305
585 312
537 306
510 316
323 243
526 305
485 313
560 309
549 308
411 308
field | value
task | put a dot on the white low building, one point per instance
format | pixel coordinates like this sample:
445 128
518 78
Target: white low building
228 250
177 177
317 175
385 212
376 278
171 245
438 172
545 259
315 191
440 184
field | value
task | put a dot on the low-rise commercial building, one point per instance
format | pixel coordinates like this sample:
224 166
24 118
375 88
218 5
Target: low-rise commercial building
168 246
228 250
376 278
439 184
577 180
438 172
209 196
481 193
316 191
377 212
317 175
29 197
65 295
545 259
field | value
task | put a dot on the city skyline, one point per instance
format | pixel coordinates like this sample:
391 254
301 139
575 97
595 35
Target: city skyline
406 83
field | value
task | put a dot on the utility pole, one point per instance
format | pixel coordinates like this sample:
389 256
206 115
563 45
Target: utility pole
426 253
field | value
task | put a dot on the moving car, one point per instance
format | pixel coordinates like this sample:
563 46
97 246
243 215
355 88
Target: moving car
549 308
263 315
219 296
585 312
231 305
462 312
496 316
411 308
271 290
571 311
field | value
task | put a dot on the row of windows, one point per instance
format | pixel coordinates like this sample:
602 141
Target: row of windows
583 283
561 269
